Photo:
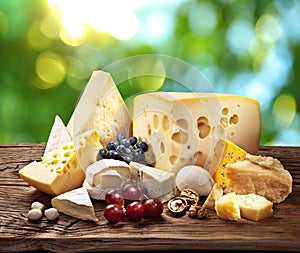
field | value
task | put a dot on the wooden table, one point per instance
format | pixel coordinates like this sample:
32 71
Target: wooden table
278 233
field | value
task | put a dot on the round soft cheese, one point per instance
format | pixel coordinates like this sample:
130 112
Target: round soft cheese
196 178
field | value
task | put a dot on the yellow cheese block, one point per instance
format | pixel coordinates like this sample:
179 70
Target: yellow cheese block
58 172
101 108
255 207
244 177
225 152
183 127
227 207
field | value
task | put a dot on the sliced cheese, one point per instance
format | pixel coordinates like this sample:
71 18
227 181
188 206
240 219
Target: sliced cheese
94 171
182 128
101 108
58 137
227 207
58 172
75 203
87 147
246 177
196 178
158 183
255 207
225 152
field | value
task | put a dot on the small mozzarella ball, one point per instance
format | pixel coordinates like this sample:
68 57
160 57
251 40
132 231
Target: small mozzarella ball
37 205
51 213
34 214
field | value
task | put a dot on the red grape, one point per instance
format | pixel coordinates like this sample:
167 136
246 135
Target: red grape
135 211
131 192
113 213
153 207
114 197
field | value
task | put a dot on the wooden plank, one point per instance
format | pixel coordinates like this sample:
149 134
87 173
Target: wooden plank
278 233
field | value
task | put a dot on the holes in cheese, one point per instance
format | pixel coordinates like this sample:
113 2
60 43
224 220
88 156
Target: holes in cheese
187 123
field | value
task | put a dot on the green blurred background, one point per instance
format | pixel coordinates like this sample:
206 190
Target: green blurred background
50 48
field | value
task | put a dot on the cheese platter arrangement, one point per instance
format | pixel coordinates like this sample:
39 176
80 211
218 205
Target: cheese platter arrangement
182 171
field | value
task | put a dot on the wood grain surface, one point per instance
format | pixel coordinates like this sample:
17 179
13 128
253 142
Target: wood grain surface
278 233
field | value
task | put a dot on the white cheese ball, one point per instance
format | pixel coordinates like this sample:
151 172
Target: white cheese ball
51 213
196 178
37 205
34 214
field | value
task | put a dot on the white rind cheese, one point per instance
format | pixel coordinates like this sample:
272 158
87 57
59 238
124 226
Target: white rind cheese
183 127
158 183
94 171
75 203
101 108
58 137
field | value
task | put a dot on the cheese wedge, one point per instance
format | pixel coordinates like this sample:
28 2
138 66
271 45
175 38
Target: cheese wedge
215 193
58 137
87 147
94 171
101 108
182 128
58 172
225 152
158 183
227 207
246 177
255 207
75 203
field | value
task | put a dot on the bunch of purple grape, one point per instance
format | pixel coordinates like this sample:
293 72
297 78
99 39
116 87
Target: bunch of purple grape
127 150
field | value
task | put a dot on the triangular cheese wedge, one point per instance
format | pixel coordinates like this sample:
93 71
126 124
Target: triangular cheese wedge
76 203
101 108
59 136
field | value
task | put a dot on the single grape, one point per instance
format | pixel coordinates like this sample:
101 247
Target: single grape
120 137
153 207
142 145
113 213
131 192
111 145
114 197
127 159
135 211
102 154
133 140
139 155
113 154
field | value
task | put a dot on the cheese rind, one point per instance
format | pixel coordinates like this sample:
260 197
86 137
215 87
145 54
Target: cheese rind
182 128
58 137
58 172
75 203
246 177
158 183
225 152
227 207
101 108
255 207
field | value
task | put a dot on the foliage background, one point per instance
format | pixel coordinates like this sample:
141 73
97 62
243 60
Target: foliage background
50 48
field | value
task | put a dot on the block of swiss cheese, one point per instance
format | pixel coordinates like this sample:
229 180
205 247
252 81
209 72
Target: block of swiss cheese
183 127
101 108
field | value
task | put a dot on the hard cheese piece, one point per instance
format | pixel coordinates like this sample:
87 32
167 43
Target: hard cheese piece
87 147
57 173
182 128
75 203
158 183
59 136
227 207
215 193
94 171
102 108
225 152
255 207
246 177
